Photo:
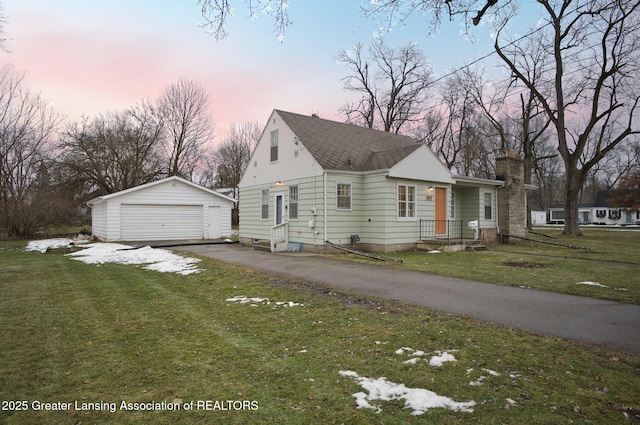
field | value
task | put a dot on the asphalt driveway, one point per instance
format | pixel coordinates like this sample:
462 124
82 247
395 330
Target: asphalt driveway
607 323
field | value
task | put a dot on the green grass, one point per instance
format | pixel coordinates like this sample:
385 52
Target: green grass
612 259
73 332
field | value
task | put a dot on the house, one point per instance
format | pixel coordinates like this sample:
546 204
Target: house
311 181
602 211
172 208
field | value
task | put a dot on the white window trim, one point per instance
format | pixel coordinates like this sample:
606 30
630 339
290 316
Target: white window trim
297 204
262 205
350 197
414 202
271 146
491 206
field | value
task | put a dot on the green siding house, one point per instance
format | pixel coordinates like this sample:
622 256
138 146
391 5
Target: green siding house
311 181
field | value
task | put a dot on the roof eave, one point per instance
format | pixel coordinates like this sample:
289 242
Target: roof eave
474 181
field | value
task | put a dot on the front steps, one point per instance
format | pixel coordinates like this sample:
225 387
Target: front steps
451 246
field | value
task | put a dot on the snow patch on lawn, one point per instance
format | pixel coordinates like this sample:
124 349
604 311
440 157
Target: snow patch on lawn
417 399
599 285
441 358
592 284
160 260
478 382
255 301
43 245
437 360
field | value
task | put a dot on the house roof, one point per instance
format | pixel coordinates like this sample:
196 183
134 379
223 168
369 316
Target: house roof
603 199
346 147
153 183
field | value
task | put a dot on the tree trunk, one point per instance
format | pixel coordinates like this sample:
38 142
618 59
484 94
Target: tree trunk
575 180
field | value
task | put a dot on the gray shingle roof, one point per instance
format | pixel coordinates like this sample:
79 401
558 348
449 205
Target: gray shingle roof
340 146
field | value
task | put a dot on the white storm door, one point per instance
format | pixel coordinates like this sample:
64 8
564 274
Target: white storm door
279 208
215 223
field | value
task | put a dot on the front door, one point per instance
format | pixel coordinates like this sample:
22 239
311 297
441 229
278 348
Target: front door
441 211
279 205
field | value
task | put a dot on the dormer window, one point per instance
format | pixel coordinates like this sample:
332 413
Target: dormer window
274 145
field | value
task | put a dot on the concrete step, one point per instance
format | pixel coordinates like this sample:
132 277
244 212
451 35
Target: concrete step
262 246
476 247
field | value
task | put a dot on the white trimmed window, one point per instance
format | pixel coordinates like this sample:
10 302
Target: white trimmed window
343 196
293 202
274 145
488 213
265 204
406 202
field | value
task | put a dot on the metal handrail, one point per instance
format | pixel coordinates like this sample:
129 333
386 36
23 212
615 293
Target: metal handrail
448 230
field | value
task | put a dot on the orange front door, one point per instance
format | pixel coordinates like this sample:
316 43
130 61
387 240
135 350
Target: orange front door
441 210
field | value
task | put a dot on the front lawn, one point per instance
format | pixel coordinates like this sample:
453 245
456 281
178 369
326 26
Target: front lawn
608 269
115 343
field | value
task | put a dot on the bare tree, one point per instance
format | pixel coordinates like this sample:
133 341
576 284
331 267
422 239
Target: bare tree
627 192
3 38
114 151
450 123
547 174
591 96
27 127
397 11
232 155
217 12
589 86
392 85
187 125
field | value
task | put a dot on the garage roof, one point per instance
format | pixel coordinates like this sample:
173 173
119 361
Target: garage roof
168 179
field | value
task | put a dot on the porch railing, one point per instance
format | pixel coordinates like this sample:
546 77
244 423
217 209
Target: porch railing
279 233
447 230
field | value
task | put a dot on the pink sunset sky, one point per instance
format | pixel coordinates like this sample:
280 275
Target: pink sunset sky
91 57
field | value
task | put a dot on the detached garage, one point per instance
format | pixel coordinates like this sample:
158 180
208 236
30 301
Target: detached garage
173 208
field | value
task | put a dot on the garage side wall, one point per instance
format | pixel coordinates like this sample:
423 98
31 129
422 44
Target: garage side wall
169 210
99 220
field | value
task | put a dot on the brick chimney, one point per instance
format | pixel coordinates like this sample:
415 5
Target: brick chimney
512 199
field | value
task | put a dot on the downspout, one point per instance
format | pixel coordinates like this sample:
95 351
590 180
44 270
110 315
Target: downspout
325 221
498 211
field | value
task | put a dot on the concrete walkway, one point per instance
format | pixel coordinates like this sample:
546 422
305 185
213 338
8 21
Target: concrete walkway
581 319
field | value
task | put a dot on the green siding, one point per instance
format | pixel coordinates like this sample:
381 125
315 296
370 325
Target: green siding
373 213
309 196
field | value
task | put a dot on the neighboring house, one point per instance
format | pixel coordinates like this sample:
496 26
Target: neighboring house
601 211
172 208
312 180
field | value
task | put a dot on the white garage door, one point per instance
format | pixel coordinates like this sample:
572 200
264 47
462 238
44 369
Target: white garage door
161 222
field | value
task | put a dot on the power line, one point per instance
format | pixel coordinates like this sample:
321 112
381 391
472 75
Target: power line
511 43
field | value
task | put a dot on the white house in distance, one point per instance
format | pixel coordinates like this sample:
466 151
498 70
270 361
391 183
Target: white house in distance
312 180
172 208
601 211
